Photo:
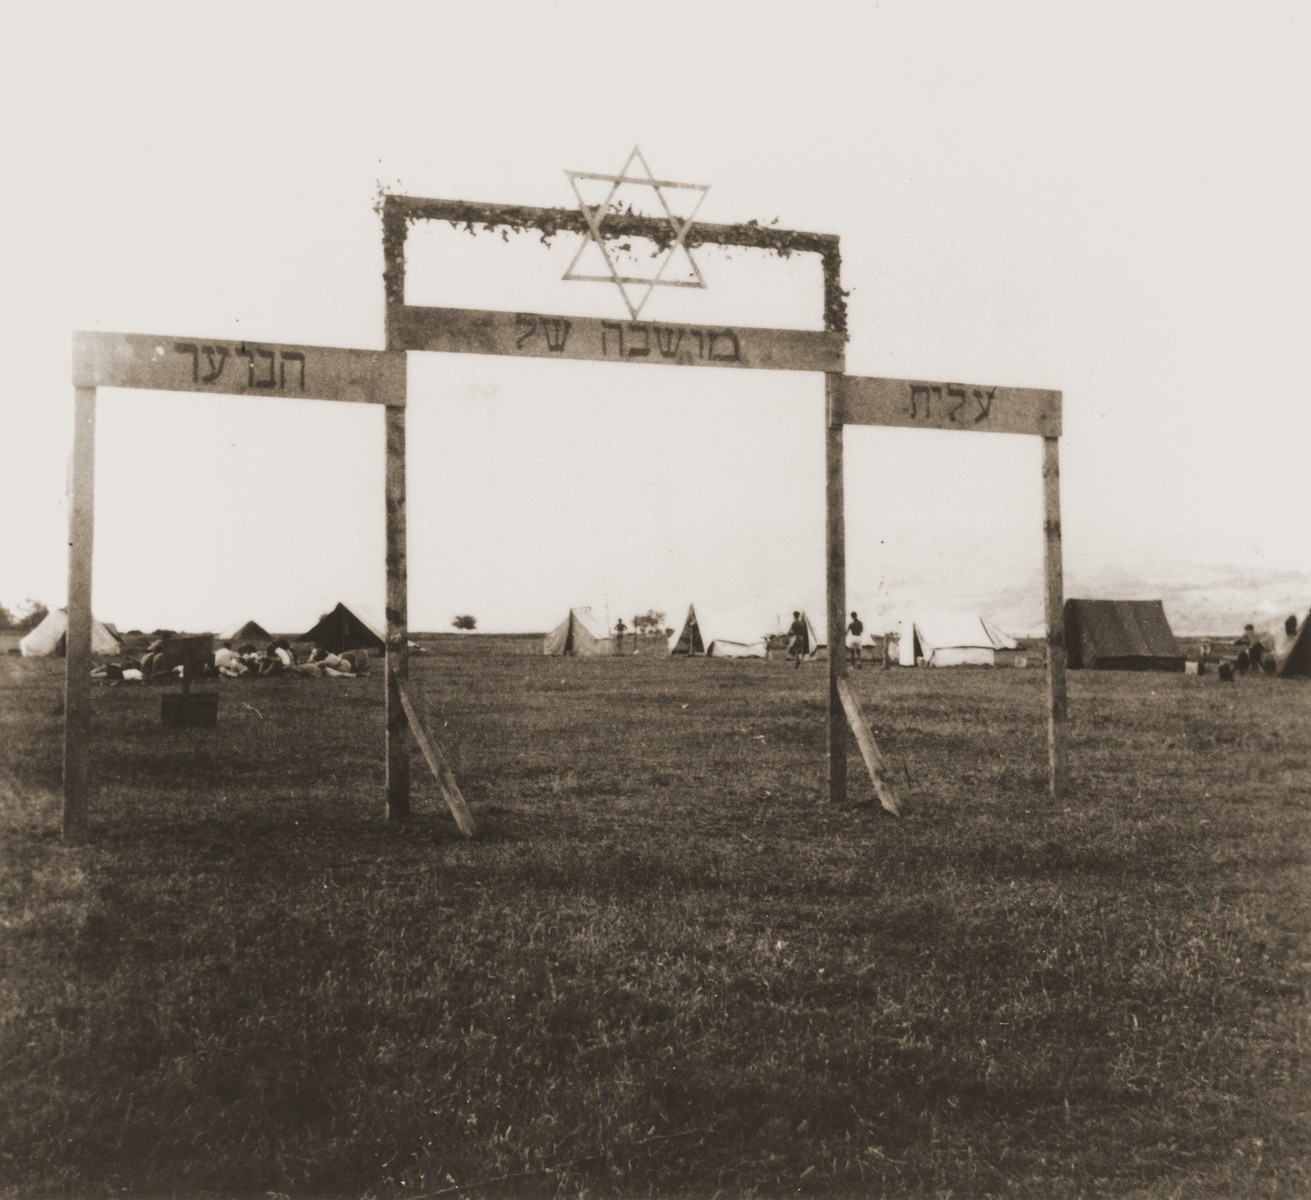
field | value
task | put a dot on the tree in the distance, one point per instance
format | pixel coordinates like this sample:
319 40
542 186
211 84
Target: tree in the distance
465 622
650 623
30 614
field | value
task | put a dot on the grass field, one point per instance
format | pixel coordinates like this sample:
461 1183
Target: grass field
667 966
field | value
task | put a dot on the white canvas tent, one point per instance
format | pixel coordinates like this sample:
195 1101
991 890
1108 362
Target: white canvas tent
48 637
951 640
580 635
701 635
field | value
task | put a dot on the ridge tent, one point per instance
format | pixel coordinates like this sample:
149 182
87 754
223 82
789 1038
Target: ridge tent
951 640
579 635
695 637
341 630
1120 635
49 637
251 631
1293 654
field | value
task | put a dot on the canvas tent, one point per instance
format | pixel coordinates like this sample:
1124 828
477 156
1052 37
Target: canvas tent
1120 635
1293 653
701 636
48 638
951 639
689 638
580 635
251 631
341 630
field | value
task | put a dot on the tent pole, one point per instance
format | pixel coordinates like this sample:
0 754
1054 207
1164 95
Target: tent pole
1058 749
77 644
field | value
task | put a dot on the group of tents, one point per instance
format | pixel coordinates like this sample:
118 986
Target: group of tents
938 640
336 631
1115 635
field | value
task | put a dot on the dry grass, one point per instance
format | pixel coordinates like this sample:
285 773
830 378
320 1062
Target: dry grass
667 967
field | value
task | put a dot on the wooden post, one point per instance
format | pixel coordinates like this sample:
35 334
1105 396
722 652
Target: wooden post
77 660
869 750
836 571
1058 750
398 635
442 772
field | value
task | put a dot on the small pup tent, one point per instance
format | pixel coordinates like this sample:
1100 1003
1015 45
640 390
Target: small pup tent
342 630
951 640
50 637
579 635
1120 635
723 648
251 631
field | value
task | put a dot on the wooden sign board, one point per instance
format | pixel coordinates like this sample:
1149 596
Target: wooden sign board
534 335
240 368
918 404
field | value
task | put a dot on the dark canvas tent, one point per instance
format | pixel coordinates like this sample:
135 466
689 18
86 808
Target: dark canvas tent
1293 654
688 640
342 630
251 631
1120 635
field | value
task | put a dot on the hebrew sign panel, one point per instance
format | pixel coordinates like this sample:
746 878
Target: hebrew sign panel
919 404
228 367
534 335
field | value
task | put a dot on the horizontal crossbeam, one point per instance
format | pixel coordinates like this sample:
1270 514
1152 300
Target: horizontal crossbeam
550 220
237 367
535 335
924 404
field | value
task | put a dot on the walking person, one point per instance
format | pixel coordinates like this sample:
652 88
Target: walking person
798 640
855 631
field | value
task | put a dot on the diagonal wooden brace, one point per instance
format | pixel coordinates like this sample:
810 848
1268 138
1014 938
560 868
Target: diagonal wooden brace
868 750
437 761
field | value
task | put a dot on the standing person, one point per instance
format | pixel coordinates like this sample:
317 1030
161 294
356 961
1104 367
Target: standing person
619 635
798 640
854 633
1255 650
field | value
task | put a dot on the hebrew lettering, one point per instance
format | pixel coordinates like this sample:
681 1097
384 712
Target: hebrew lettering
521 320
927 390
619 329
953 392
250 360
556 330
985 410
291 356
734 355
214 371
645 348
668 341
194 350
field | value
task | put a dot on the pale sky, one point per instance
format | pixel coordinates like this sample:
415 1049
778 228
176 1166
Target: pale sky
1110 200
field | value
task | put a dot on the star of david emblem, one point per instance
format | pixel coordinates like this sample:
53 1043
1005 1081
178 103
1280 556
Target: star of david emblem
596 214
